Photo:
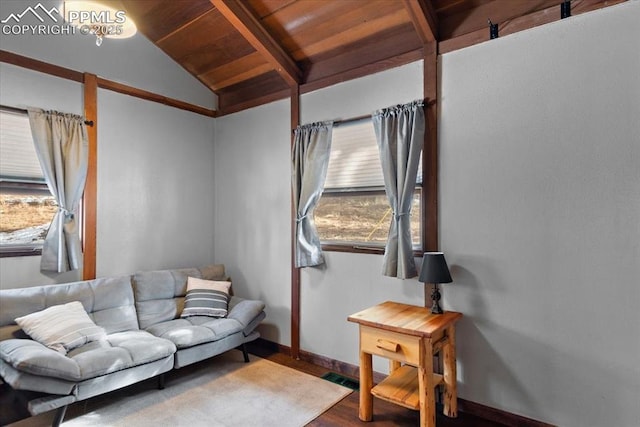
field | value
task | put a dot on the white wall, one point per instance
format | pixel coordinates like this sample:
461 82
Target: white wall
155 163
540 218
155 186
252 209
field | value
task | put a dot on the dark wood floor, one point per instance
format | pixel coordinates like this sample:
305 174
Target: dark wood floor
343 414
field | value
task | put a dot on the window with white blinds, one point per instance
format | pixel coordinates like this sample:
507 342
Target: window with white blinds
18 158
26 205
354 163
353 211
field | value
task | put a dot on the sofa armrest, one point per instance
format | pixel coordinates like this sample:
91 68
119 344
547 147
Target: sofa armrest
244 310
34 358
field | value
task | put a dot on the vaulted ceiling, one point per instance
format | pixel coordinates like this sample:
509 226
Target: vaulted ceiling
250 52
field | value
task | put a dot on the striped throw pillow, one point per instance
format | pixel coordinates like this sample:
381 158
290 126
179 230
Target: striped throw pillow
61 327
206 298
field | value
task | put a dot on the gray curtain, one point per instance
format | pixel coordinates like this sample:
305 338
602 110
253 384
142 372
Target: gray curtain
400 135
63 150
310 158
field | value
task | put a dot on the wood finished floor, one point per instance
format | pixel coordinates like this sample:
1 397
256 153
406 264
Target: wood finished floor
343 414
385 414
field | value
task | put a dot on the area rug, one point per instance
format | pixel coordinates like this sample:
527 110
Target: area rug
223 391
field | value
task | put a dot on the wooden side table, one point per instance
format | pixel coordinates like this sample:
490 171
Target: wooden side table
408 336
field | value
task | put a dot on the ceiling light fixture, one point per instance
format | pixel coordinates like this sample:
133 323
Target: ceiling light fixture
106 19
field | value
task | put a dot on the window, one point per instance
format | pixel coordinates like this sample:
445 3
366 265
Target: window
354 211
26 205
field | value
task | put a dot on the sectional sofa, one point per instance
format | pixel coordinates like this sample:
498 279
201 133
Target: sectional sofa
134 329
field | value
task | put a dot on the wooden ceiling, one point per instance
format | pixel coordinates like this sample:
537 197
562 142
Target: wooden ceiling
250 52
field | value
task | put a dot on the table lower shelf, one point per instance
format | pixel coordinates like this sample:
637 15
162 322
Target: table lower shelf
402 387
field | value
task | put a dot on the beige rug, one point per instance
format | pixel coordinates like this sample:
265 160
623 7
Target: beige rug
223 391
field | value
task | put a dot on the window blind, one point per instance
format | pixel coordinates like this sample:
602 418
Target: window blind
18 158
354 161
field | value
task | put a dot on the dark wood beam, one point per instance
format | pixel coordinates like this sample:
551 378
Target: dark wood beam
362 71
424 19
150 96
521 23
90 196
76 76
43 67
250 28
227 108
295 272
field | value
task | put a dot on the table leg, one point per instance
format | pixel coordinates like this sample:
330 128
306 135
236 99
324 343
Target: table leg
426 385
393 366
450 376
366 383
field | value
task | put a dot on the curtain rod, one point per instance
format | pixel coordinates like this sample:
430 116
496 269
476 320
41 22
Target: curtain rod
368 116
23 111
351 120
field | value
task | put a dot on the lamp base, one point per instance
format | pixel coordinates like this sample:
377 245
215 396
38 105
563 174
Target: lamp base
435 297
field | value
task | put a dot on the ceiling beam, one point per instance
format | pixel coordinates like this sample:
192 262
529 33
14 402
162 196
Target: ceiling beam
521 23
424 19
250 28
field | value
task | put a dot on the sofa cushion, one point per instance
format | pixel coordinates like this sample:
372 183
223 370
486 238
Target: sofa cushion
213 272
206 298
61 327
107 300
195 330
118 351
159 295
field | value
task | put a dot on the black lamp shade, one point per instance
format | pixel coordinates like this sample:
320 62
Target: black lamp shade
434 268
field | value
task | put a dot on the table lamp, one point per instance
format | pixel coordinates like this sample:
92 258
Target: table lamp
434 270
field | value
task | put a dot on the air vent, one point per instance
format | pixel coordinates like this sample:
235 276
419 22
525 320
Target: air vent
341 380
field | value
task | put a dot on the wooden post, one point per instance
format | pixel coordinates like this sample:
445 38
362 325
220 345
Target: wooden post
450 374
430 156
89 199
295 272
366 383
426 385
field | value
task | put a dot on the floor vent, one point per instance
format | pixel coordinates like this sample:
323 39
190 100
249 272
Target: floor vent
341 380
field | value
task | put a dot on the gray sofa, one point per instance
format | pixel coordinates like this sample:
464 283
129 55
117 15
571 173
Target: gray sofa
145 336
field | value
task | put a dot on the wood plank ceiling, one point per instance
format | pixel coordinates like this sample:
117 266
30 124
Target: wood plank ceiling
250 52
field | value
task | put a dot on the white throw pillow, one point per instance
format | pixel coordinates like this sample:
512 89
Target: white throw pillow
61 327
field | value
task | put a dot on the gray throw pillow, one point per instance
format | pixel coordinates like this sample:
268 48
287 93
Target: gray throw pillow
206 298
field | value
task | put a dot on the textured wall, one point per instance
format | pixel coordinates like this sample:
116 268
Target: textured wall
540 217
252 209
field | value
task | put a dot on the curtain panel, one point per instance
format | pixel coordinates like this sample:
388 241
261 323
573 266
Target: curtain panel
310 157
63 151
400 135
